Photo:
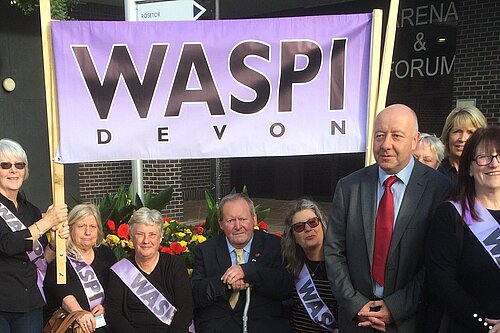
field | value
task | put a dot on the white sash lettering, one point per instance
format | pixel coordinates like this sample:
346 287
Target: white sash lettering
314 305
486 230
89 281
145 291
37 255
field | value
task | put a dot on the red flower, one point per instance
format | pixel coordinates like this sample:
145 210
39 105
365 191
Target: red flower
168 250
279 234
176 248
123 231
162 248
262 225
198 229
111 226
166 219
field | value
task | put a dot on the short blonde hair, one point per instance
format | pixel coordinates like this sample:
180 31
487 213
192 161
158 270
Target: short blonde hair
462 114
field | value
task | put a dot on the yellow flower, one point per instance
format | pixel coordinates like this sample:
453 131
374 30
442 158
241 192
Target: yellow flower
180 234
256 227
198 239
165 224
187 231
184 244
190 272
112 239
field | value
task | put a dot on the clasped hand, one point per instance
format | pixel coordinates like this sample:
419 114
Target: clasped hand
375 319
234 276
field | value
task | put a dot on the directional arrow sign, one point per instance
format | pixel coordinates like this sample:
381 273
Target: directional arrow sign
177 10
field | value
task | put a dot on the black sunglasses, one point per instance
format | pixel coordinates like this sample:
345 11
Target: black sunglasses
8 165
312 222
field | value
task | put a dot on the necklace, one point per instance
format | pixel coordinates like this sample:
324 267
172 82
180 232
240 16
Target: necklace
313 271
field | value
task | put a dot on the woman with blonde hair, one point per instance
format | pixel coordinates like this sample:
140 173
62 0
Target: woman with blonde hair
87 270
460 124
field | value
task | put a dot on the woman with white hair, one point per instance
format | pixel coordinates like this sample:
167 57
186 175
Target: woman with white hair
24 247
429 150
149 292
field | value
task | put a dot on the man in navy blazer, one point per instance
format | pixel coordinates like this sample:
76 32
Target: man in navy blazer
216 275
366 305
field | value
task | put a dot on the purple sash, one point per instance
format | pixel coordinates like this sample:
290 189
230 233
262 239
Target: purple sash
145 291
314 305
89 281
486 230
36 256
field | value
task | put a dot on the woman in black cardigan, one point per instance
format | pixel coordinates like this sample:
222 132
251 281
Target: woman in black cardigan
463 270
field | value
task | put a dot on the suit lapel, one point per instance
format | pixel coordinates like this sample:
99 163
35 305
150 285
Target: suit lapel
223 256
257 246
368 204
410 204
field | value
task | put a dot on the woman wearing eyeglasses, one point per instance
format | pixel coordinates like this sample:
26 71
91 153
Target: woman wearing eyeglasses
314 306
24 248
463 253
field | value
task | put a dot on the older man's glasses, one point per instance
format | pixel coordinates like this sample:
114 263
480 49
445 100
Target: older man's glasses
312 222
8 165
485 159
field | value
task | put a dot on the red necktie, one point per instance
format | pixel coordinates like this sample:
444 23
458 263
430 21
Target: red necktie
383 231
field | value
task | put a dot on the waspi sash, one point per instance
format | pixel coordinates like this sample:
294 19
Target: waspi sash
145 291
314 305
36 256
89 281
486 230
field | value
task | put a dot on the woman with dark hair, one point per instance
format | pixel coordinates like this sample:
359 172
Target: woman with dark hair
302 250
463 262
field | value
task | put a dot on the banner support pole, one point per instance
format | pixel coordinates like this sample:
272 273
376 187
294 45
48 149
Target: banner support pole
56 169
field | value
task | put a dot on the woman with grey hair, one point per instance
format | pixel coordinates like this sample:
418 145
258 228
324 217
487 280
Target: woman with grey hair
87 270
302 250
149 291
24 247
429 150
460 124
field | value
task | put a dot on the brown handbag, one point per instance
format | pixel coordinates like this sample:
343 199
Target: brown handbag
63 322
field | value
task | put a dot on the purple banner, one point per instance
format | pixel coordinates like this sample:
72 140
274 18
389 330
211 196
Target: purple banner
206 89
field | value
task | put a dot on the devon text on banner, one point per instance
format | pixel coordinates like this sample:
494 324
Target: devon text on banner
206 89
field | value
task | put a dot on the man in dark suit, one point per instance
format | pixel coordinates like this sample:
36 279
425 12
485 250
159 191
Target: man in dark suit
378 289
220 283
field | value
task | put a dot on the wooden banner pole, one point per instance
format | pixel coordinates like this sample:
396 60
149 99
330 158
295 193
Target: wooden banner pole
376 44
57 170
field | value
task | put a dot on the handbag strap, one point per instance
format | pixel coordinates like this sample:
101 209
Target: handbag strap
70 318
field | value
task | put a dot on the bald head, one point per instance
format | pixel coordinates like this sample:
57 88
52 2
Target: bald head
395 136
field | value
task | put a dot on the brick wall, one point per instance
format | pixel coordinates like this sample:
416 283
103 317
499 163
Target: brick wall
98 179
477 62
158 175
197 177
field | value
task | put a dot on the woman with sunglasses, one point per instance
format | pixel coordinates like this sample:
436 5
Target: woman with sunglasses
302 249
463 258
24 248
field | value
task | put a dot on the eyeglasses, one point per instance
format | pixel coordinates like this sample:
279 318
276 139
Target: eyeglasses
312 222
485 159
8 165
